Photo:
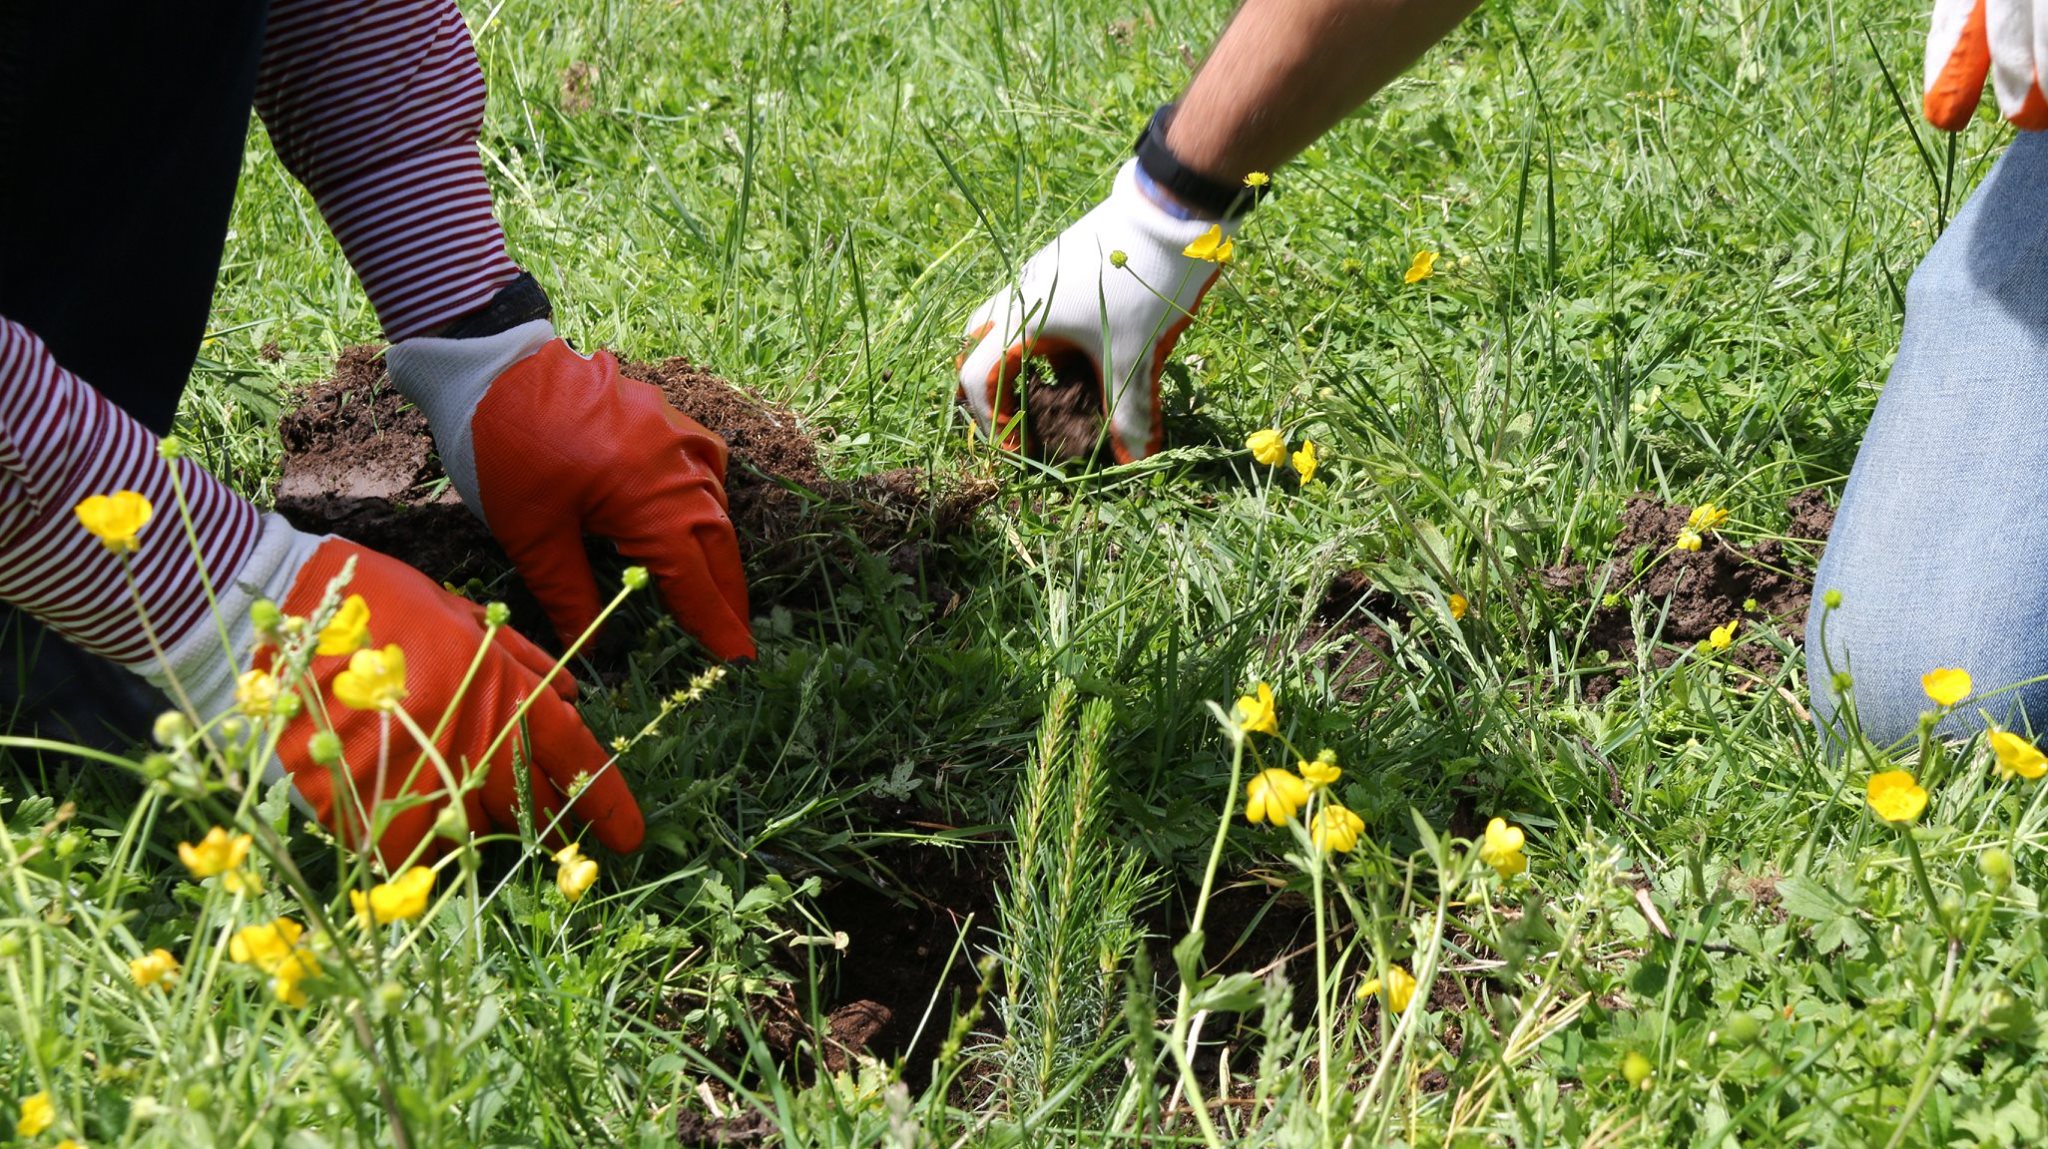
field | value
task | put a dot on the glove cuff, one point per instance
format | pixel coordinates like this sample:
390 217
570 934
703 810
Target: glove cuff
446 378
202 667
1141 213
520 301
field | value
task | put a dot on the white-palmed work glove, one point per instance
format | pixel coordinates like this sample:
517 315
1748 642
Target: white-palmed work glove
1110 296
1969 39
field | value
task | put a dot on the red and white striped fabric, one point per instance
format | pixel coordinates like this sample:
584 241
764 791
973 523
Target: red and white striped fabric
60 442
375 106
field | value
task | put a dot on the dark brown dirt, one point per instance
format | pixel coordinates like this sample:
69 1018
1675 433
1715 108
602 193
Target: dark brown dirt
1763 586
849 1030
1813 517
903 917
1062 410
749 1128
359 462
1355 646
578 81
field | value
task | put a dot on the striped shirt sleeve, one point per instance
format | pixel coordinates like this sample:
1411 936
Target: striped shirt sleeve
375 107
61 441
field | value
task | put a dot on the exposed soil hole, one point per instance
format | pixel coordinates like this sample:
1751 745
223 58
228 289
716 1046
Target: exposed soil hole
904 918
1763 586
905 911
1347 631
850 1030
359 462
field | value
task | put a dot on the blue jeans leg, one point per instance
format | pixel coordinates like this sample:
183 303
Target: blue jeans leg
1940 550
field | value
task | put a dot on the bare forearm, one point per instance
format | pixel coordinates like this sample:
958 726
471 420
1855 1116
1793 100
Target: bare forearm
1286 71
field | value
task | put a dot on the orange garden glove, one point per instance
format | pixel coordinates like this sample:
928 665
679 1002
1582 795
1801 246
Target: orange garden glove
546 444
399 639
1972 38
1111 294
129 549
436 636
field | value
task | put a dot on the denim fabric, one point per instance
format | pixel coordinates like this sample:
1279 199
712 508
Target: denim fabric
1940 550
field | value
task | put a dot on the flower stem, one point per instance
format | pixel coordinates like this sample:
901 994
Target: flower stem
1926 887
1181 1021
1318 854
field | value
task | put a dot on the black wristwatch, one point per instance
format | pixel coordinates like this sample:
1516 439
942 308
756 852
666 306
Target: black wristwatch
1187 185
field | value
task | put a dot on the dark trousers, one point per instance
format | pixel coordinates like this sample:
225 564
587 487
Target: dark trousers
122 124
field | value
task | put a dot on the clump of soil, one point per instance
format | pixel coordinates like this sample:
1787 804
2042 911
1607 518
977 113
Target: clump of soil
578 81
359 462
849 1029
1063 410
750 1127
1763 586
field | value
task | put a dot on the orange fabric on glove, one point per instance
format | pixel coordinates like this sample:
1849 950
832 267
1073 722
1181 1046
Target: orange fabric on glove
565 444
439 634
1970 40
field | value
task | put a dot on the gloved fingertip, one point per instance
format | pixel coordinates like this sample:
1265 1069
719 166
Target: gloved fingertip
621 829
969 342
1948 111
538 663
2032 114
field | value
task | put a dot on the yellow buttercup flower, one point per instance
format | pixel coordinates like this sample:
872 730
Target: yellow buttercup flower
401 899
1723 636
1211 246
1459 604
574 873
349 630
1688 539
1420 268
374 680
114 519
1501 848
68 1143
217 853
38 1113
267 947
296 967
1321 772
1305 461
2018 756
1257 180
152 968
1256 713
1336 829
1706 517
1399 986
1896 797
1273 795
1267 446
255 692
1946 685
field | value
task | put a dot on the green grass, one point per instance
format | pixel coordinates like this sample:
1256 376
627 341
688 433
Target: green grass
1674 240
